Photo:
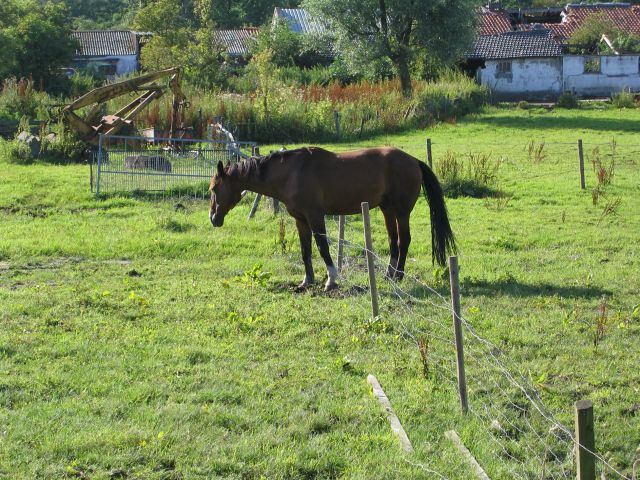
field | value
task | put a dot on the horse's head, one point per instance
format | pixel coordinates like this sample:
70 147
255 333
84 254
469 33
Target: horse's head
225 195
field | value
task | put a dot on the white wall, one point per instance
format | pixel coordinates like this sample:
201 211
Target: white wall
530 79
617 72
127 64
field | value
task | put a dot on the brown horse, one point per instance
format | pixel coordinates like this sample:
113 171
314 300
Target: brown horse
313 182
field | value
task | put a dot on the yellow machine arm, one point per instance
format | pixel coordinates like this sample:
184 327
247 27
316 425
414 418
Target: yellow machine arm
111 124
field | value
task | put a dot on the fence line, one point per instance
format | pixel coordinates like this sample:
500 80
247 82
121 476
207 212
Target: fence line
535 427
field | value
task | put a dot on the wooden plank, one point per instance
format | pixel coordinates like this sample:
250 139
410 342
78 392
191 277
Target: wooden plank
479 471
396 426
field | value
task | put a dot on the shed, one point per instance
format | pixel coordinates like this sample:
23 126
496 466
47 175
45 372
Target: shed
299 20
237 42
107 52
519 65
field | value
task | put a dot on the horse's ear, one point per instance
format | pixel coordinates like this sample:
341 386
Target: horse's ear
220 169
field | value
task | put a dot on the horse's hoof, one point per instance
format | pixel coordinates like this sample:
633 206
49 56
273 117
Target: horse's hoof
303 287
330 286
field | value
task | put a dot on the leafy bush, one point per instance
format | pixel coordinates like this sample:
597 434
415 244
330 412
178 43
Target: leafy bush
13 151
523 105
302 111
476 178
623 100
18 99
567 100
62 147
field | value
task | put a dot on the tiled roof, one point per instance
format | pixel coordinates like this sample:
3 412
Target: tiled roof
536 43
298 20
557 29
98 43
624 15
493 22
236 41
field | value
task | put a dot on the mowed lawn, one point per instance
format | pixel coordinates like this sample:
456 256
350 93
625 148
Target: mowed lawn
138 342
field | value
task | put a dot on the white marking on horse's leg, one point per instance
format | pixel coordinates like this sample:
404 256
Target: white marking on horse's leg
332 276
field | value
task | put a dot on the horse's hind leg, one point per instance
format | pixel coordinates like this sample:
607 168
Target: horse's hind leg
320 234
304 232
404 239
392 231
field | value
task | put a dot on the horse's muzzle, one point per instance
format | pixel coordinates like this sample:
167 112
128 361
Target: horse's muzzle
216 220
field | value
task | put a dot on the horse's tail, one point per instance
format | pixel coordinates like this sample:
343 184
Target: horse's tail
442 240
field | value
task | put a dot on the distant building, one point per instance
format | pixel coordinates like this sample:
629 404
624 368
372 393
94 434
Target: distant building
237 43
298 20
624 16
521 54
107 53
493 22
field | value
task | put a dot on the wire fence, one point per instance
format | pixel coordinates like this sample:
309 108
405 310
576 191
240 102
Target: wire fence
525 438
528 440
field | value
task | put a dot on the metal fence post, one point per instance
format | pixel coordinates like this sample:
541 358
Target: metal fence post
457 328
100 147
581 158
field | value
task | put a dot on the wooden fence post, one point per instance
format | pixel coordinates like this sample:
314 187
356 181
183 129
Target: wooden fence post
457 330
429 157
336 118
341 219
585 441
581 158
370 263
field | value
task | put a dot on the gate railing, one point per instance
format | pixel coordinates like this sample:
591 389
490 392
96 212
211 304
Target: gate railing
139 164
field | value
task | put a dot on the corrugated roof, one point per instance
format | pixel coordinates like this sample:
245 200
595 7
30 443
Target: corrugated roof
299 21
236 41
98 43
492 22
535 43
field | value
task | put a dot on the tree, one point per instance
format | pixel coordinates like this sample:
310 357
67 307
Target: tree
183 36
586 38
399 30
35 39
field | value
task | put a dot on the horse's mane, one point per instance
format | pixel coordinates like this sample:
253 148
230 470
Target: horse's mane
258 165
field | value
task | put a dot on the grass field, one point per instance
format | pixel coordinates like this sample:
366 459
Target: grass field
138 342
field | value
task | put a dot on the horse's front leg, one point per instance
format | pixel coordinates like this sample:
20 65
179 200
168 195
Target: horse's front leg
320 234
304 232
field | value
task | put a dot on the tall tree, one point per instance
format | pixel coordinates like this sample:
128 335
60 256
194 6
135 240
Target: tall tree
399 30
35 39
183 36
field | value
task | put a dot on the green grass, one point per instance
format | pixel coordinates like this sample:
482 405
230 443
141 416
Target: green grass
133 345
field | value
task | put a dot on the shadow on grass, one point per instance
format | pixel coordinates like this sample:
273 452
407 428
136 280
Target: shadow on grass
518 289
317 290
488 288
547 122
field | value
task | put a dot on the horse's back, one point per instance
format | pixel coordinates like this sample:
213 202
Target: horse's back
341 182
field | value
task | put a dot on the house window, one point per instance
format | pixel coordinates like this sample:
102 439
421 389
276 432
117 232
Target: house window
592 65
503 69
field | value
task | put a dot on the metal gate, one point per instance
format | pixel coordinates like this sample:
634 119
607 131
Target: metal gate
164 165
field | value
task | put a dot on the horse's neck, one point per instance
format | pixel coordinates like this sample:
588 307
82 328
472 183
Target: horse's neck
271 184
